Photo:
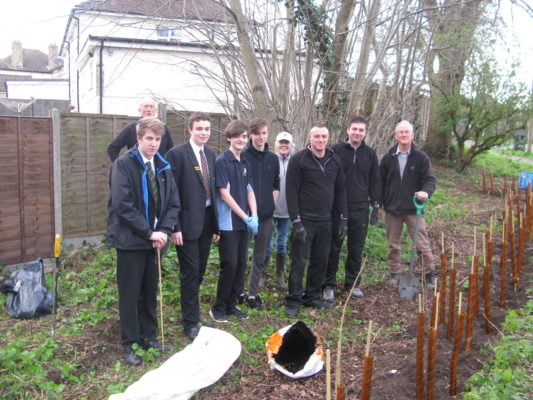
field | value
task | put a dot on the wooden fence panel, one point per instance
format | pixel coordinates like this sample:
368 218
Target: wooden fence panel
26 197
85 171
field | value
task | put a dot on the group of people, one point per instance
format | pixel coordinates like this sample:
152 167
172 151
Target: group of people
187 196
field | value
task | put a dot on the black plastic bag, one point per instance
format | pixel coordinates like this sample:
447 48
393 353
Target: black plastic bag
26 295
297 346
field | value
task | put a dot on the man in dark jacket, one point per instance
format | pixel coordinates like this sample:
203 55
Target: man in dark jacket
406 172
363 188
193 168
128 136
265 172
143 209
315 192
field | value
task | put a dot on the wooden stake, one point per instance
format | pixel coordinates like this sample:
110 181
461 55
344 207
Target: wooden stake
486 296
451 302
491 183
420 350
476 286
434 307
328 374
456 347
442 289
470 311
484 180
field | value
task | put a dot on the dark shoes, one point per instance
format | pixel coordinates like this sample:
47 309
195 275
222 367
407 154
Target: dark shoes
237 313
318 304
191 332
241 298
328 294
154 343
291 310
218 316
130 357
256 303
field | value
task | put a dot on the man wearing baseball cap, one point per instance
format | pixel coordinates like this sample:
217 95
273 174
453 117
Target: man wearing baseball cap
282 222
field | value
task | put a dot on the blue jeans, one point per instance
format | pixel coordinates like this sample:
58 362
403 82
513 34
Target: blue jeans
281 230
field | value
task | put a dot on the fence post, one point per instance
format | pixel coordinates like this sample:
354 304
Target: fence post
56 148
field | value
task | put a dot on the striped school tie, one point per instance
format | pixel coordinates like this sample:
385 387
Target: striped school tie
153 186
205 175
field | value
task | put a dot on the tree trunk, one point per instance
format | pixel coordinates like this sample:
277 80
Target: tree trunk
453 27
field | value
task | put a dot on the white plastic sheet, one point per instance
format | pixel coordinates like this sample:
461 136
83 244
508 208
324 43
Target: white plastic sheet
199 365
314 364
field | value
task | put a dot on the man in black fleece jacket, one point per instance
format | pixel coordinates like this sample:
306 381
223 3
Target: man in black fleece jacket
265 173
315 192
406 172
128 136
363 188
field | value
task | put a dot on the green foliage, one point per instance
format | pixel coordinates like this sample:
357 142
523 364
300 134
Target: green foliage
506 376
487 110
501 166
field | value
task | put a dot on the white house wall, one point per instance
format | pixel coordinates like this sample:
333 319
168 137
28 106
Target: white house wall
51 90
131 74
133 71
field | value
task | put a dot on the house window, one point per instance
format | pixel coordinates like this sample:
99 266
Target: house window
170 34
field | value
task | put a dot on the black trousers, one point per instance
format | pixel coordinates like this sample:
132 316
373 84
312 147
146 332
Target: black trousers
316 249
137 279
233 250
192 258
357 230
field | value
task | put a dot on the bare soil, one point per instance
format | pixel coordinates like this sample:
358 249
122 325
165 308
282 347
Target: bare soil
394 322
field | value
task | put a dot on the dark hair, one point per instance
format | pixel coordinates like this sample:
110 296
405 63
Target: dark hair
151 123
198 116
358 120
256 124
235 128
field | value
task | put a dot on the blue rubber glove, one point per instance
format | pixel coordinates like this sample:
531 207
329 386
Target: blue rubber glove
252 222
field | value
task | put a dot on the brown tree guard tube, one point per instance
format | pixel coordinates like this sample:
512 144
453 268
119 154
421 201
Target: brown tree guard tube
367 377
476 286
432 351
420 350
503 267
341 393
486 295
491 183
521 245
484 180
456 345
470 312
510 232
451 302
504 190
367 367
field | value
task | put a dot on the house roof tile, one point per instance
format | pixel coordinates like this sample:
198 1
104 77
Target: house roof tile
178 9
32 60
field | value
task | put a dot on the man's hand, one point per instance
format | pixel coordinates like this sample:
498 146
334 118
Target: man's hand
298 231
252 222
159 239
177 238
342 230
421 196
215 238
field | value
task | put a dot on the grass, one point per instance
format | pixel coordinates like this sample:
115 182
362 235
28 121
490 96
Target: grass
501 166
36 365
508 374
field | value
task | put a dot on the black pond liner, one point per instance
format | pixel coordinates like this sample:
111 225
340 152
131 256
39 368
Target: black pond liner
298 344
